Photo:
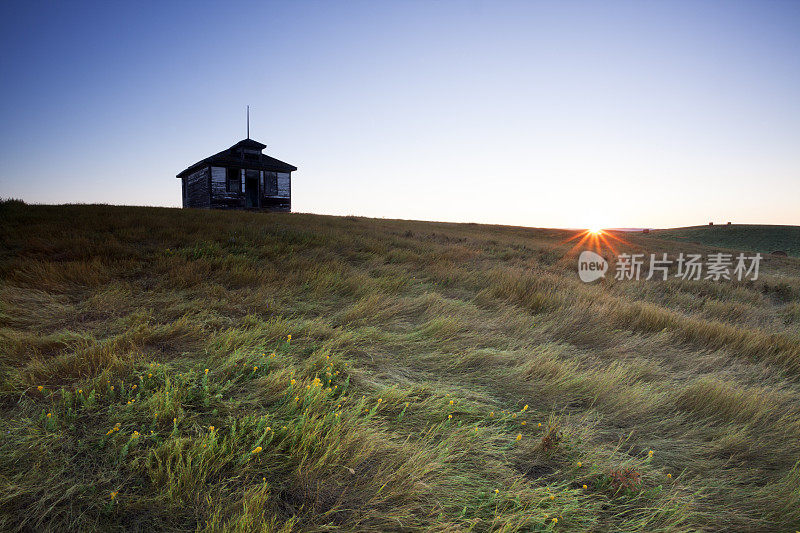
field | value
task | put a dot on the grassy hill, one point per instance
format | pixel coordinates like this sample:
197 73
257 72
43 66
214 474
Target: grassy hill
744 237
166 369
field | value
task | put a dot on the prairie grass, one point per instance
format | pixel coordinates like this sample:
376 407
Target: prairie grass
184 370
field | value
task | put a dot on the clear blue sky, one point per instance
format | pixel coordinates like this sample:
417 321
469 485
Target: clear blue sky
567 114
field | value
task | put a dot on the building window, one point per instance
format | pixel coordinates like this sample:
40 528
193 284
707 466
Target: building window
283 184
271 183
234 180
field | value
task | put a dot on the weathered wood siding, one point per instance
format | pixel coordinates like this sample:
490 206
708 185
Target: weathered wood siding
221 198
273 203
284 185
218 182
197 193
274 200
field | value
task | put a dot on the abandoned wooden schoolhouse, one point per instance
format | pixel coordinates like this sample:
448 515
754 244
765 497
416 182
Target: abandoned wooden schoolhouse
241 177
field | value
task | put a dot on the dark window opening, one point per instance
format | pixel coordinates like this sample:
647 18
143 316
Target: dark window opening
234 180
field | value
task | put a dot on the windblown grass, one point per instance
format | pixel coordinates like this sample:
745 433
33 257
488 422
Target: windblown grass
438 377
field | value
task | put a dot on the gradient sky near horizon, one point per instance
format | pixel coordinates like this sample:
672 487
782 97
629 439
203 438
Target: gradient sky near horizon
549 114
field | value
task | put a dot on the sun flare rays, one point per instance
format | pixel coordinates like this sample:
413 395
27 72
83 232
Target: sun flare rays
597 240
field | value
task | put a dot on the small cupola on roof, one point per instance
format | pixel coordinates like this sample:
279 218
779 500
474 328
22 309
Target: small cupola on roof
248 146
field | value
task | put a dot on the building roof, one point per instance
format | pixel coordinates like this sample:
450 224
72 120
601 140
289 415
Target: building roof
235 156
249 144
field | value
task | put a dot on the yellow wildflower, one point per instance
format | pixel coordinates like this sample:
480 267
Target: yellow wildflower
552 497
555 520
669 476
255 368
211 428
580 464
49 415
149 375
114 494
585 487
288 338
540 424
206 371
451 402
406 404
525 408
497 491
650 453
523 422
40 388
491 415
449 417
293 381
257 449
80 391
135 435
519 437
380 400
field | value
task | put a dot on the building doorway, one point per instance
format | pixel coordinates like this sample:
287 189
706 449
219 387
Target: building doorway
251 192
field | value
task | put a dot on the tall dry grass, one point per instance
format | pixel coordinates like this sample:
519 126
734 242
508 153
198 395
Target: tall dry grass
439 377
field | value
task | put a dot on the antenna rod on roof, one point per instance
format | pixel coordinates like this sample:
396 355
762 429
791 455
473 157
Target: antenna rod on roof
248 121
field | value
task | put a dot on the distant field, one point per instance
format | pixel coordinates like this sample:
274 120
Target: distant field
764 239
189 370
